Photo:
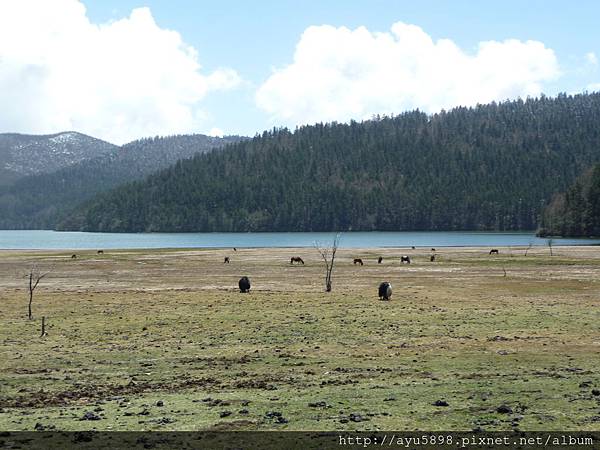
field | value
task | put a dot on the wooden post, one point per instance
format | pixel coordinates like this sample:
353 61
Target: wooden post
43 327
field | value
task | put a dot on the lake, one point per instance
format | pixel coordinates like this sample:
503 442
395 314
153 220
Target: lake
45 239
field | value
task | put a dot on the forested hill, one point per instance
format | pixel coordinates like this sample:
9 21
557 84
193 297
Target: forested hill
38 201
576 212
491 167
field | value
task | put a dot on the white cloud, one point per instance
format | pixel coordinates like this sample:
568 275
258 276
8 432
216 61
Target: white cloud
591 58
119 80
593 87
339 74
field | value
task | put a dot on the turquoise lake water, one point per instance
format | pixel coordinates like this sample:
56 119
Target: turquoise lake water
44 239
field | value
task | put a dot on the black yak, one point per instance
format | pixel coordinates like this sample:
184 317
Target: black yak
379 260
73 256
244 284
296 259
358 261
385 291
405 259
226 260
494 251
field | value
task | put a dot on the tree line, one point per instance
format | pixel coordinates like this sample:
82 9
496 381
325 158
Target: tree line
575 212
488 167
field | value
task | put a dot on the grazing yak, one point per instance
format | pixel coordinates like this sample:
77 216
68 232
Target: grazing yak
432 258
385 291
494 251
379 260
296 259
358 261
244 284
405 259
100 252
226 260
73 256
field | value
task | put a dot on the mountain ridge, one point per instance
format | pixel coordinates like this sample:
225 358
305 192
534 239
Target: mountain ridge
27 154
36 201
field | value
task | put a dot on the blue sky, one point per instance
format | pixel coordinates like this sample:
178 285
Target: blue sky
244 44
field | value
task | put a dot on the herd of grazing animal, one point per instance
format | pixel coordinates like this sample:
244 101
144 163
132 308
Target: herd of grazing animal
385 288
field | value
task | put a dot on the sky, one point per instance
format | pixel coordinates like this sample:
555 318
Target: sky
124 69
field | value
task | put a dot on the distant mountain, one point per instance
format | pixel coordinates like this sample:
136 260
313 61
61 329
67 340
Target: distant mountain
490 167
36 201
576 212
23 154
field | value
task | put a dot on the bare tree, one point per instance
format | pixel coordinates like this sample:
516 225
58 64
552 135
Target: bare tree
35 276
328 255
528 248
550 242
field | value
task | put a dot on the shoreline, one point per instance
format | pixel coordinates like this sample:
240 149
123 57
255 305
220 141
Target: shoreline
404 248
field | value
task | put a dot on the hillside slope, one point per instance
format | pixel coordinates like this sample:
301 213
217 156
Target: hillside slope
23 154
37 201
492 167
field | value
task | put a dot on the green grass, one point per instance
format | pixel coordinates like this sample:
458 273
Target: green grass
130 329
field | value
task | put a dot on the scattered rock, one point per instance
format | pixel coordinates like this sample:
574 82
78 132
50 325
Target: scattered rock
225 413
504 409
276 416
595 391
356 417
164 420
390 399
160 403
243 411
318 405
90 415
440 403
144 412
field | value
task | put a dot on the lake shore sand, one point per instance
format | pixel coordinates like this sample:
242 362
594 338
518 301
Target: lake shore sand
129 330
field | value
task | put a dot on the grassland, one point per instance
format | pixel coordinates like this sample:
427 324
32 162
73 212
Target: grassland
162 339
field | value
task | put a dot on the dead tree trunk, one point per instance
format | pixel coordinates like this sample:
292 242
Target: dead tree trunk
328 256
34 279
